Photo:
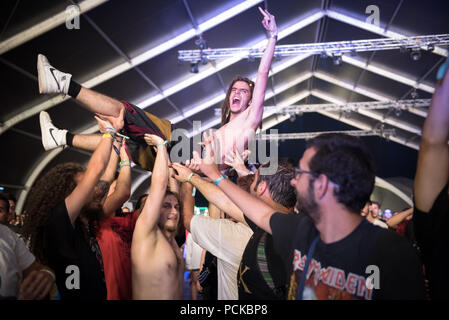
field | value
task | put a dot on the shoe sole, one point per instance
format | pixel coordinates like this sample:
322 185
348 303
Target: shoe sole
43 116
41 72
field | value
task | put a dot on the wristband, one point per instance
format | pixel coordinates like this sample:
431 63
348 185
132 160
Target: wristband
274 36
49 272
190 177
107 135
162 143
125 165
216 182
110 129
123 161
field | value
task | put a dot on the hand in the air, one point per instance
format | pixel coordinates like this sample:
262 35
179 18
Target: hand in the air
269 22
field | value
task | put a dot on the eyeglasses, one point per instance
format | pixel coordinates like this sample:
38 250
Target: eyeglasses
300 171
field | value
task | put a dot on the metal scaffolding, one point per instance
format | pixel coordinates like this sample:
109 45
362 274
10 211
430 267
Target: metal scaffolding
399 105
385 133
428 42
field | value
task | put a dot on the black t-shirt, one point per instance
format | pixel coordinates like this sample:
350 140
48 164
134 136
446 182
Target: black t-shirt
262 274
67 252
340 270
432 235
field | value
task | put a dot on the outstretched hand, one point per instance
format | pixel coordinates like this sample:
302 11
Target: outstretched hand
269 22
116 122
235 160
152 139
181 173
102 123
208 164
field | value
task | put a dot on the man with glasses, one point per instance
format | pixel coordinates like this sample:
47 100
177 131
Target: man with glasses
330 251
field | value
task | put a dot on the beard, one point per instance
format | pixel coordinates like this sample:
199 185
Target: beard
307 204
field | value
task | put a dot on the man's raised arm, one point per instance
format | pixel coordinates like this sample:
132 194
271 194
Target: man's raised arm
149 217
256 108
122 189
432 171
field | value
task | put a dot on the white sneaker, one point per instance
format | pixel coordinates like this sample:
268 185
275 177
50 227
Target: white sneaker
52 137
51 80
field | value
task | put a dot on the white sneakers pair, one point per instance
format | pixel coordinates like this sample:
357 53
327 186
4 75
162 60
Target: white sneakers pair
51 80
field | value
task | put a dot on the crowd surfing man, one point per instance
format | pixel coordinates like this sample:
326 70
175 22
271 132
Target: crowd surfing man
330 251
242 109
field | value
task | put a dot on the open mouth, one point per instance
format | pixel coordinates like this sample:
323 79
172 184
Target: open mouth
236 100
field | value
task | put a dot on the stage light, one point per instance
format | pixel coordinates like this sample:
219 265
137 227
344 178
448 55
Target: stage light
194 67
337 60
292 117
415 54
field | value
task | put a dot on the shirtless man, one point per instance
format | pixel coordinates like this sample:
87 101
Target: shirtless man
242 108
157 262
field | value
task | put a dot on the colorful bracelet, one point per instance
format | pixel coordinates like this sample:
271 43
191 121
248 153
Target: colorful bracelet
216 182
162 143
190 177
125 165
49 272
107 135
123 161
110 129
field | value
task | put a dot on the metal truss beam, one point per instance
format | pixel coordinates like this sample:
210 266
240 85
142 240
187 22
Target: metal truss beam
310 135
328 48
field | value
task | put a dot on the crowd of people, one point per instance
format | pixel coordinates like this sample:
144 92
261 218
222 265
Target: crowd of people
307 231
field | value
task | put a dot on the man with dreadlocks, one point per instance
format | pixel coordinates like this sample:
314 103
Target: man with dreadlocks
63 211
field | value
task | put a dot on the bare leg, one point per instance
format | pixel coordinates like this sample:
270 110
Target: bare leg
86 141
52 80
99 103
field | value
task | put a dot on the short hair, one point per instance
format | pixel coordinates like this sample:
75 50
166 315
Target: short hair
281 191
376 203
245 182
3 197
346 161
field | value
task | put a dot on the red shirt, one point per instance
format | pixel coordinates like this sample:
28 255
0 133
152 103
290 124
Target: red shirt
114 238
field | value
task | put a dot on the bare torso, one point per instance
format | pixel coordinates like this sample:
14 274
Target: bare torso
158 268
236 132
